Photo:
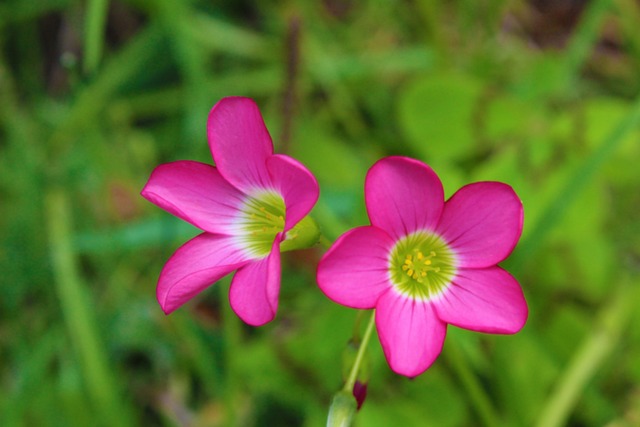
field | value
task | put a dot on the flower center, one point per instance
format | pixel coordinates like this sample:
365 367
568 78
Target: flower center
421 265
261 220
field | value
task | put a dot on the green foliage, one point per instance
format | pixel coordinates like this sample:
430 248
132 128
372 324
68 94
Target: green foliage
93 95
437 114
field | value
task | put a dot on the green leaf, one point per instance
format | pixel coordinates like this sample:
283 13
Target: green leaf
436 114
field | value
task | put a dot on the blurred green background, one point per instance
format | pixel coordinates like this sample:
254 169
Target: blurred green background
94 94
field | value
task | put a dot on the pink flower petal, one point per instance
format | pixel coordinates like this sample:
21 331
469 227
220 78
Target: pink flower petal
403 195
195 266
195 192
297 186
255 288
485 300
240 143
355 270
482 222
410 332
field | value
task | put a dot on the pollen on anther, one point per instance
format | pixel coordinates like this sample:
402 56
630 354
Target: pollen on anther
405 267
420 256
427 262
410 272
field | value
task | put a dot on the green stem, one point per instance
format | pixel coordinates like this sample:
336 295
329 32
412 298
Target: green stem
343 405
94 33
78 309
351 380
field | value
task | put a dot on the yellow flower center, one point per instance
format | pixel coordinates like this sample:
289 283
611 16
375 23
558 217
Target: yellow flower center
262 219
421 265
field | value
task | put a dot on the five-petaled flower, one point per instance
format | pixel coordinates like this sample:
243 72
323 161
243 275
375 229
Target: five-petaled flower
247 205
424 263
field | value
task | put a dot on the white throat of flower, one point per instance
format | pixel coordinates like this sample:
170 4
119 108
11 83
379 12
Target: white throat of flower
262 218
421 265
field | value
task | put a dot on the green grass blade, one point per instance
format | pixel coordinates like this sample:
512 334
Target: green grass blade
590 356
78 314
94 33
567 195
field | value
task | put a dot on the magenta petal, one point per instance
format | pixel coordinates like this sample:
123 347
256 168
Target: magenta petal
296 184
410 332
403 195
195 266
355 270
240 143
195 192
255 289
486 300
482 222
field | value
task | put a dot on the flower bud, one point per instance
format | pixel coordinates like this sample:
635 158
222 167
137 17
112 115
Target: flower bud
360 392
303 235
342 410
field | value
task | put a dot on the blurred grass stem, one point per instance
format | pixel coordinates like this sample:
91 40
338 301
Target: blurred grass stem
232 347
289 101
90 101
582 42
94 33
478 398
578 180
589 357
78 314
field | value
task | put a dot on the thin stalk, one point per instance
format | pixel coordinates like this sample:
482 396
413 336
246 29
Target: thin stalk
77 309
289 99
344 405
353 374
94 33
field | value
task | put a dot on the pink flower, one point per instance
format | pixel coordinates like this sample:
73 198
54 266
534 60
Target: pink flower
425 263
247 205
